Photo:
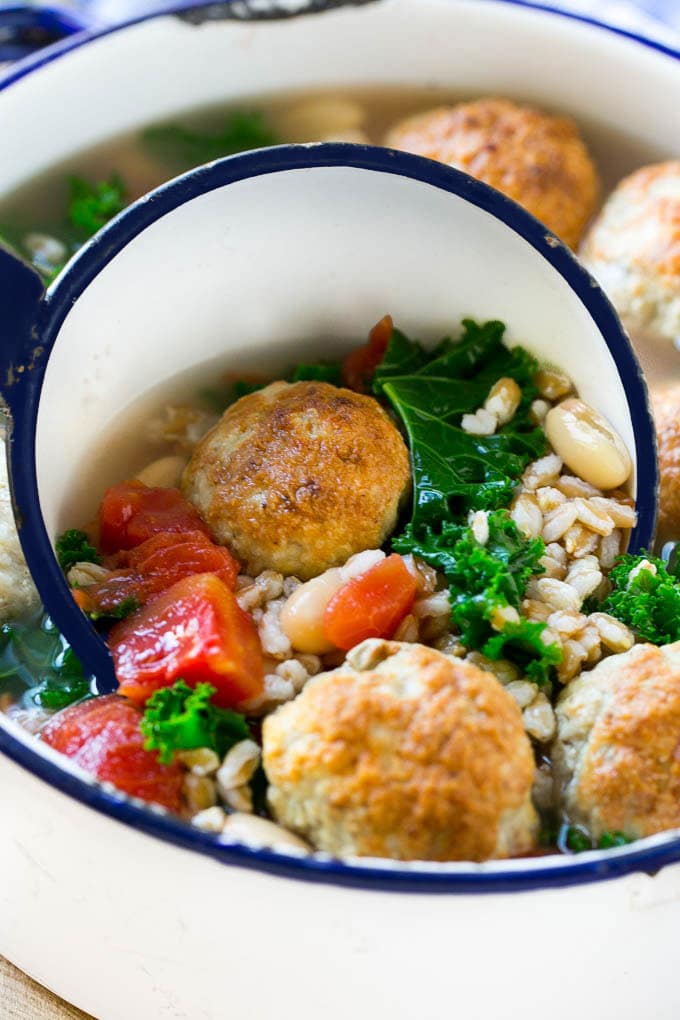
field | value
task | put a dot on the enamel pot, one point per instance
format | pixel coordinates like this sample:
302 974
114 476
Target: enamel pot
123 910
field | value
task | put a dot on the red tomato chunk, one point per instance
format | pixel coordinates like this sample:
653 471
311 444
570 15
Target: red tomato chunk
102 736
359 366
371 605
154 566
195 631
132 512
167 558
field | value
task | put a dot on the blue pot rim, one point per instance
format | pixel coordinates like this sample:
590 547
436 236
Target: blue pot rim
648 856
74 42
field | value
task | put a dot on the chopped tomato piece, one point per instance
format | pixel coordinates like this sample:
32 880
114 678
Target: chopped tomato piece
166 558
195 631
371 605
359 366
103 737
132 512
106 597
153 567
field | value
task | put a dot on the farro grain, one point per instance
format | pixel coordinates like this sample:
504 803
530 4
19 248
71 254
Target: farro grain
572 487
202 761
407 629
210 820
523 692
481 423
238 766
539 719
580 541
552 384
549 498
200 792
594 517
527 515
614 634
610 547
541 472
558 594
622 515
558 522
503 399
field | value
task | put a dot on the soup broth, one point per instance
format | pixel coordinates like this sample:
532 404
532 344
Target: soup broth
353 115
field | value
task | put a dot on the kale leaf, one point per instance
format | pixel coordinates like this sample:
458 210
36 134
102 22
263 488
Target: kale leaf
322 371
577 840
453 470
91 206
523 643
178 718
485 579
64 684
32 649
184 147
574 838
402 357
611 839
648 603
74 547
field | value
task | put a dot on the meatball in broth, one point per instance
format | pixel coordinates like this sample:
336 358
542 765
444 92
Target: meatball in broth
533 157
616 752
299 477
403 752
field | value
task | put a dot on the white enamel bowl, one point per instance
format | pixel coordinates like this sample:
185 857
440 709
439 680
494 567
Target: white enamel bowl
109 906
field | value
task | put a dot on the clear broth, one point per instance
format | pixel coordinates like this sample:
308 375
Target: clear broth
40 204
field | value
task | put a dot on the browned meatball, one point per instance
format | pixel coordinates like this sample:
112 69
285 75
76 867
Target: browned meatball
298 477
403 752
633 250
616 753
667 417
533 157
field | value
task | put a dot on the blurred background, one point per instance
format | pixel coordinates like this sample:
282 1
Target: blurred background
649 15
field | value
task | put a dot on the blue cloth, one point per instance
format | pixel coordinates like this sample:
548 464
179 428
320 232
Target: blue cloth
640 15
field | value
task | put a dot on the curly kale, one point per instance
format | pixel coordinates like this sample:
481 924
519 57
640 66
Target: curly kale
648 601
576 839
486 579
184 147
455 472
74 547
91 206
178 718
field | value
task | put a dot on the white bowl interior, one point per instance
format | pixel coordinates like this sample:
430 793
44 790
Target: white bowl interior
309 257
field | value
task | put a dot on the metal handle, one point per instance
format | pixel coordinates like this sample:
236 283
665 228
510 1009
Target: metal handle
21 290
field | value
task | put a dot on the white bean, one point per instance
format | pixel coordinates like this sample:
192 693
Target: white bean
319 118
302 615
164 473
588 444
